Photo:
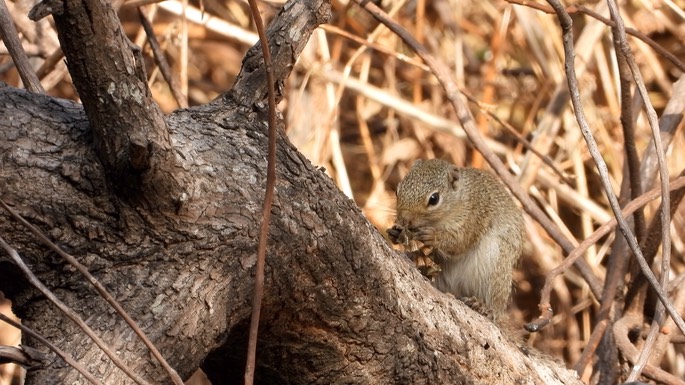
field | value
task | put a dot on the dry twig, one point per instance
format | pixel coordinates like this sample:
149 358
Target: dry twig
268 199
64 355
567 25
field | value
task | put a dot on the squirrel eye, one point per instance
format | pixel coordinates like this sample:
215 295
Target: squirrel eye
434 199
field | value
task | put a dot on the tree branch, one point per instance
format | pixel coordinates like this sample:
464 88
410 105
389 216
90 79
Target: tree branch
129 131
287 38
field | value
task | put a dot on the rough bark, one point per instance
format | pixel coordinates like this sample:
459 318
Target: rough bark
340 305
108 73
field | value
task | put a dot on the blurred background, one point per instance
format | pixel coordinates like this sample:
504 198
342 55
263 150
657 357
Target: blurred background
363 106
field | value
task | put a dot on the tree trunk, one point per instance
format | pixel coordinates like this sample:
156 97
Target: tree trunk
165 212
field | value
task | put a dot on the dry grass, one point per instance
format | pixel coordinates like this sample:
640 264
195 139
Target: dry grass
361 104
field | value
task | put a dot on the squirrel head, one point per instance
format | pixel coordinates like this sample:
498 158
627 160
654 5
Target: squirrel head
432 193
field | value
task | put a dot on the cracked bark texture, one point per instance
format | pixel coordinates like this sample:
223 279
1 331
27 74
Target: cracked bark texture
341 307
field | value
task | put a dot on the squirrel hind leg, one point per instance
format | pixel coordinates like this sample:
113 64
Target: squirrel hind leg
480 308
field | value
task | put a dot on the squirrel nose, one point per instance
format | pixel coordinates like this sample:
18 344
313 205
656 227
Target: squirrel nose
404 220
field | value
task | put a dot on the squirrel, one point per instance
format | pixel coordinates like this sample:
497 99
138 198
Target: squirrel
471 226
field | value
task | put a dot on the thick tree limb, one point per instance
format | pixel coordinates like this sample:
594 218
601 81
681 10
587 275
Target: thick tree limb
339 302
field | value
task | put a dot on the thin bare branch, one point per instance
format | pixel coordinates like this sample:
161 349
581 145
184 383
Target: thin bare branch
621 331
665 214
268 199
64 355
20 355
161 61
602 231
580 9
631 187
567 27
10 37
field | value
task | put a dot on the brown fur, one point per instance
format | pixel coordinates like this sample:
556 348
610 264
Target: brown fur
475 230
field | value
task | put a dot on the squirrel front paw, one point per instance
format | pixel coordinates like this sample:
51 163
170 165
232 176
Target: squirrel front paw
426 235
394 234
399 235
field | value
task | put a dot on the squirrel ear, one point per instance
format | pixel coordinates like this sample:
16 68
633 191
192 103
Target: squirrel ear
454 175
